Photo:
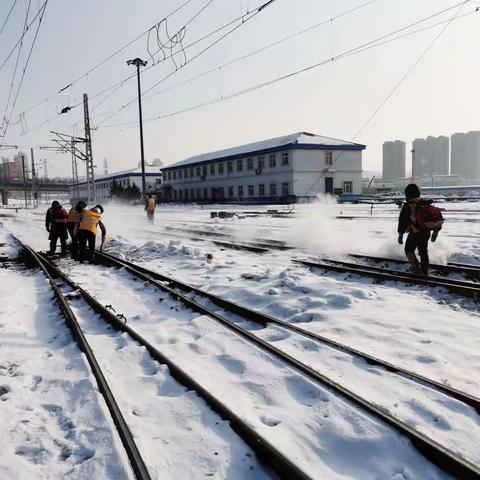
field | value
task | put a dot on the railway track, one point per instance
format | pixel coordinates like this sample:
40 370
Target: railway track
441 456
465 289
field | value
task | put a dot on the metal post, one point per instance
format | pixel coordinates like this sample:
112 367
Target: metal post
88 153
24 180
139 62
413 163
34 181
75 190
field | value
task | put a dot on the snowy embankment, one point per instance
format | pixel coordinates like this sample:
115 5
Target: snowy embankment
423 330
53 421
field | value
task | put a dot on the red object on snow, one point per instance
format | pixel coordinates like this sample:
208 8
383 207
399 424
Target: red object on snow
209 258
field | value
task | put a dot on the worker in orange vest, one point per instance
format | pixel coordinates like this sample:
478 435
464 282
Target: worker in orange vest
72 221
150 205
87 232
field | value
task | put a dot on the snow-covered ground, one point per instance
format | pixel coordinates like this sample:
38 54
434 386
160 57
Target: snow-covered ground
427 331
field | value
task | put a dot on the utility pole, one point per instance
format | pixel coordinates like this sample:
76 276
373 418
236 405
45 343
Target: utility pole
88 153
34 181
24 180
45 169
75 191
138 62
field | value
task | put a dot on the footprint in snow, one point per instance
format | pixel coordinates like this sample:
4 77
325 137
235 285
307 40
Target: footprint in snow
269 421
34 454
425 359
231 364
3 391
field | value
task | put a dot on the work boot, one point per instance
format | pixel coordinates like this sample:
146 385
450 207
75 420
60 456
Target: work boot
414 264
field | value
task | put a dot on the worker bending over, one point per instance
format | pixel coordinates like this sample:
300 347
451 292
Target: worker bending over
72 221
87 232
418 217
150 205
56 225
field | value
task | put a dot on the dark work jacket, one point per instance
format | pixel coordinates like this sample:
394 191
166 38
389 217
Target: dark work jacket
55 220
404 220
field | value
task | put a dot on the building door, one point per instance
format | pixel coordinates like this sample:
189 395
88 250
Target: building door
329 185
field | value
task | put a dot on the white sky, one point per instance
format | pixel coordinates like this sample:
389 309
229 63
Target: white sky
440 97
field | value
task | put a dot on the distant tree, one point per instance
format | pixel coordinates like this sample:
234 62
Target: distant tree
128 194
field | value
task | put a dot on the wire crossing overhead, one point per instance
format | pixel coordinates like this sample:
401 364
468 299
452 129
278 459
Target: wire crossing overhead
8 16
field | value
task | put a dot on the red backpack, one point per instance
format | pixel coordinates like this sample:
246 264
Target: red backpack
433 219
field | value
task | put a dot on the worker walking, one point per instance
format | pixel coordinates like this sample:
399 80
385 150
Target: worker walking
418 217
56 225
150 205
72 222
87 231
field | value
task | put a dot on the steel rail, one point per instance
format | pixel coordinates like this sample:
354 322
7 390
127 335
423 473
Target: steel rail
264 319
138 465
469 291
439 455
430 278
283 466
470 266
464 269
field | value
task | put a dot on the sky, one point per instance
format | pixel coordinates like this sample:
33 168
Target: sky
439 96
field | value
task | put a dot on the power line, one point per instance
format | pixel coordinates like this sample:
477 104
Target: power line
39 12
395 88
353 51
25 68
249 15
8 16
105 60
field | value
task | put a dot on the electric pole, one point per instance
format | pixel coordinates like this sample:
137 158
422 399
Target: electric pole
34 181
24 181
75 192
88 153
413 163
138 62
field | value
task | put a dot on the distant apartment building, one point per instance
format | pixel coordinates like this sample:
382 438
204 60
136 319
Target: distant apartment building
393 160
431 156
466 155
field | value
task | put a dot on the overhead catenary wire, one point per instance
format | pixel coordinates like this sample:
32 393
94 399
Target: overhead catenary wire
353 51
395 88
39 12
24 69
8 16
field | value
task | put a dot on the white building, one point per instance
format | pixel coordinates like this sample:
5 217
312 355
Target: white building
393 160
431 156
466 155
279 169
126 178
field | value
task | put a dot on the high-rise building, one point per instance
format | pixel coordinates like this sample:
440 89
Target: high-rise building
466 155
393 160
431 156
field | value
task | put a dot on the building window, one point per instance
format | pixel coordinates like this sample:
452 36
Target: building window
229 167
185 173
174 194
348 187
186 194
285 159
251 191
191 173
180 194
169 175
272 160
230 191
221 192
239 165
273 189
250 164
261 163
198 171
261 190
179 174
240 191
174 174
285 189
199 192
204 171
205 193
328 158
212 169
220 168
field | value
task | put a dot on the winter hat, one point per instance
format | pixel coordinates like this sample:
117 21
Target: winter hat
99 208
412 191
55 204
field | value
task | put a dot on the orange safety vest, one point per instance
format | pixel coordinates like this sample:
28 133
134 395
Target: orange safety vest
73 216
89 221
150 204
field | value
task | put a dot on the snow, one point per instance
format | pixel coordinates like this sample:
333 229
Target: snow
422 329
